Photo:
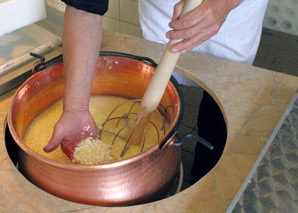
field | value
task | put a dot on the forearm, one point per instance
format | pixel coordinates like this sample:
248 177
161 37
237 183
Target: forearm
81 46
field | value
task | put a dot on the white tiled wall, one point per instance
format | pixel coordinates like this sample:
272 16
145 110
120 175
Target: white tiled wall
57 4
282 15
122 16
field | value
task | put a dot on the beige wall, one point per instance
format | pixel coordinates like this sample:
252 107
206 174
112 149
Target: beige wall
122 16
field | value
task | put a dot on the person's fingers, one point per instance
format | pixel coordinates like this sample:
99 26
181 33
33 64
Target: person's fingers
55 140
177 10
194 41
190 19
188 32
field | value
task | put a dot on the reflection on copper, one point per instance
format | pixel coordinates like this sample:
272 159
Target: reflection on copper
142 178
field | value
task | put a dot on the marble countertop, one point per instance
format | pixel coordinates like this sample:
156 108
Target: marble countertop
252 101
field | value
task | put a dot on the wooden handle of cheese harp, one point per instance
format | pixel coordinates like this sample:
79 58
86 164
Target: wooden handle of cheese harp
161 77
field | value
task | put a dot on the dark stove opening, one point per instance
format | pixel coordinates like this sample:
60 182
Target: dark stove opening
203 117
11 146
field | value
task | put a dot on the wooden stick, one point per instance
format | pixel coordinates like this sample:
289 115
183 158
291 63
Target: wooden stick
161 77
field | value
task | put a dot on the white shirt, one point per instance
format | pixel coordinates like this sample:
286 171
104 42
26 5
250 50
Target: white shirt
237 40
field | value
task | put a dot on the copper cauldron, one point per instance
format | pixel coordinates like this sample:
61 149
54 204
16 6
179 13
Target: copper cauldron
143 178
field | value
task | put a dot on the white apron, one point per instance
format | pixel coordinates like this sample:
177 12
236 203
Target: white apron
237 40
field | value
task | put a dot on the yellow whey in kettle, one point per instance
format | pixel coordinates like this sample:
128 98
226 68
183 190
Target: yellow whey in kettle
41 128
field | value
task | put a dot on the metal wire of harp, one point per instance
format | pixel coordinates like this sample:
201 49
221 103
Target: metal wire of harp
129 123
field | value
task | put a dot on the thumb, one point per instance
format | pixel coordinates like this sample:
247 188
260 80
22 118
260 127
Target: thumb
54 141
178 10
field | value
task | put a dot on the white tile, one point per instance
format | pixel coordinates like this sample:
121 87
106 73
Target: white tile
62 7
129 11
130 29
113 11
56 4
111 24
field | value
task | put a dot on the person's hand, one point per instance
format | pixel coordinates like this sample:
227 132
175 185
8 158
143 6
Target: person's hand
72 127
81 44
200 24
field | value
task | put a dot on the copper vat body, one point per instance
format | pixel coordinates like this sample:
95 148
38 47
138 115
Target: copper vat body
143 178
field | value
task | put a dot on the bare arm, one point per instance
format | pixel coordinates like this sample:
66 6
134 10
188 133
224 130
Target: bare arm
81 45
200 24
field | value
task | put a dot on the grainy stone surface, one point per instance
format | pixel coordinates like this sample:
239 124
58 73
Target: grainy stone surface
250 100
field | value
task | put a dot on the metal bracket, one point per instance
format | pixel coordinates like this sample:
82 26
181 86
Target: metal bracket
38 65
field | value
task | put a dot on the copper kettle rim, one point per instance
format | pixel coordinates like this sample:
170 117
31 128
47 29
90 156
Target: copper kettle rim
130 160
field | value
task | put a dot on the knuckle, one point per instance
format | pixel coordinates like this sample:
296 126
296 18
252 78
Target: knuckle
213 20
198 40
208 11
185 23
195 41
187 33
